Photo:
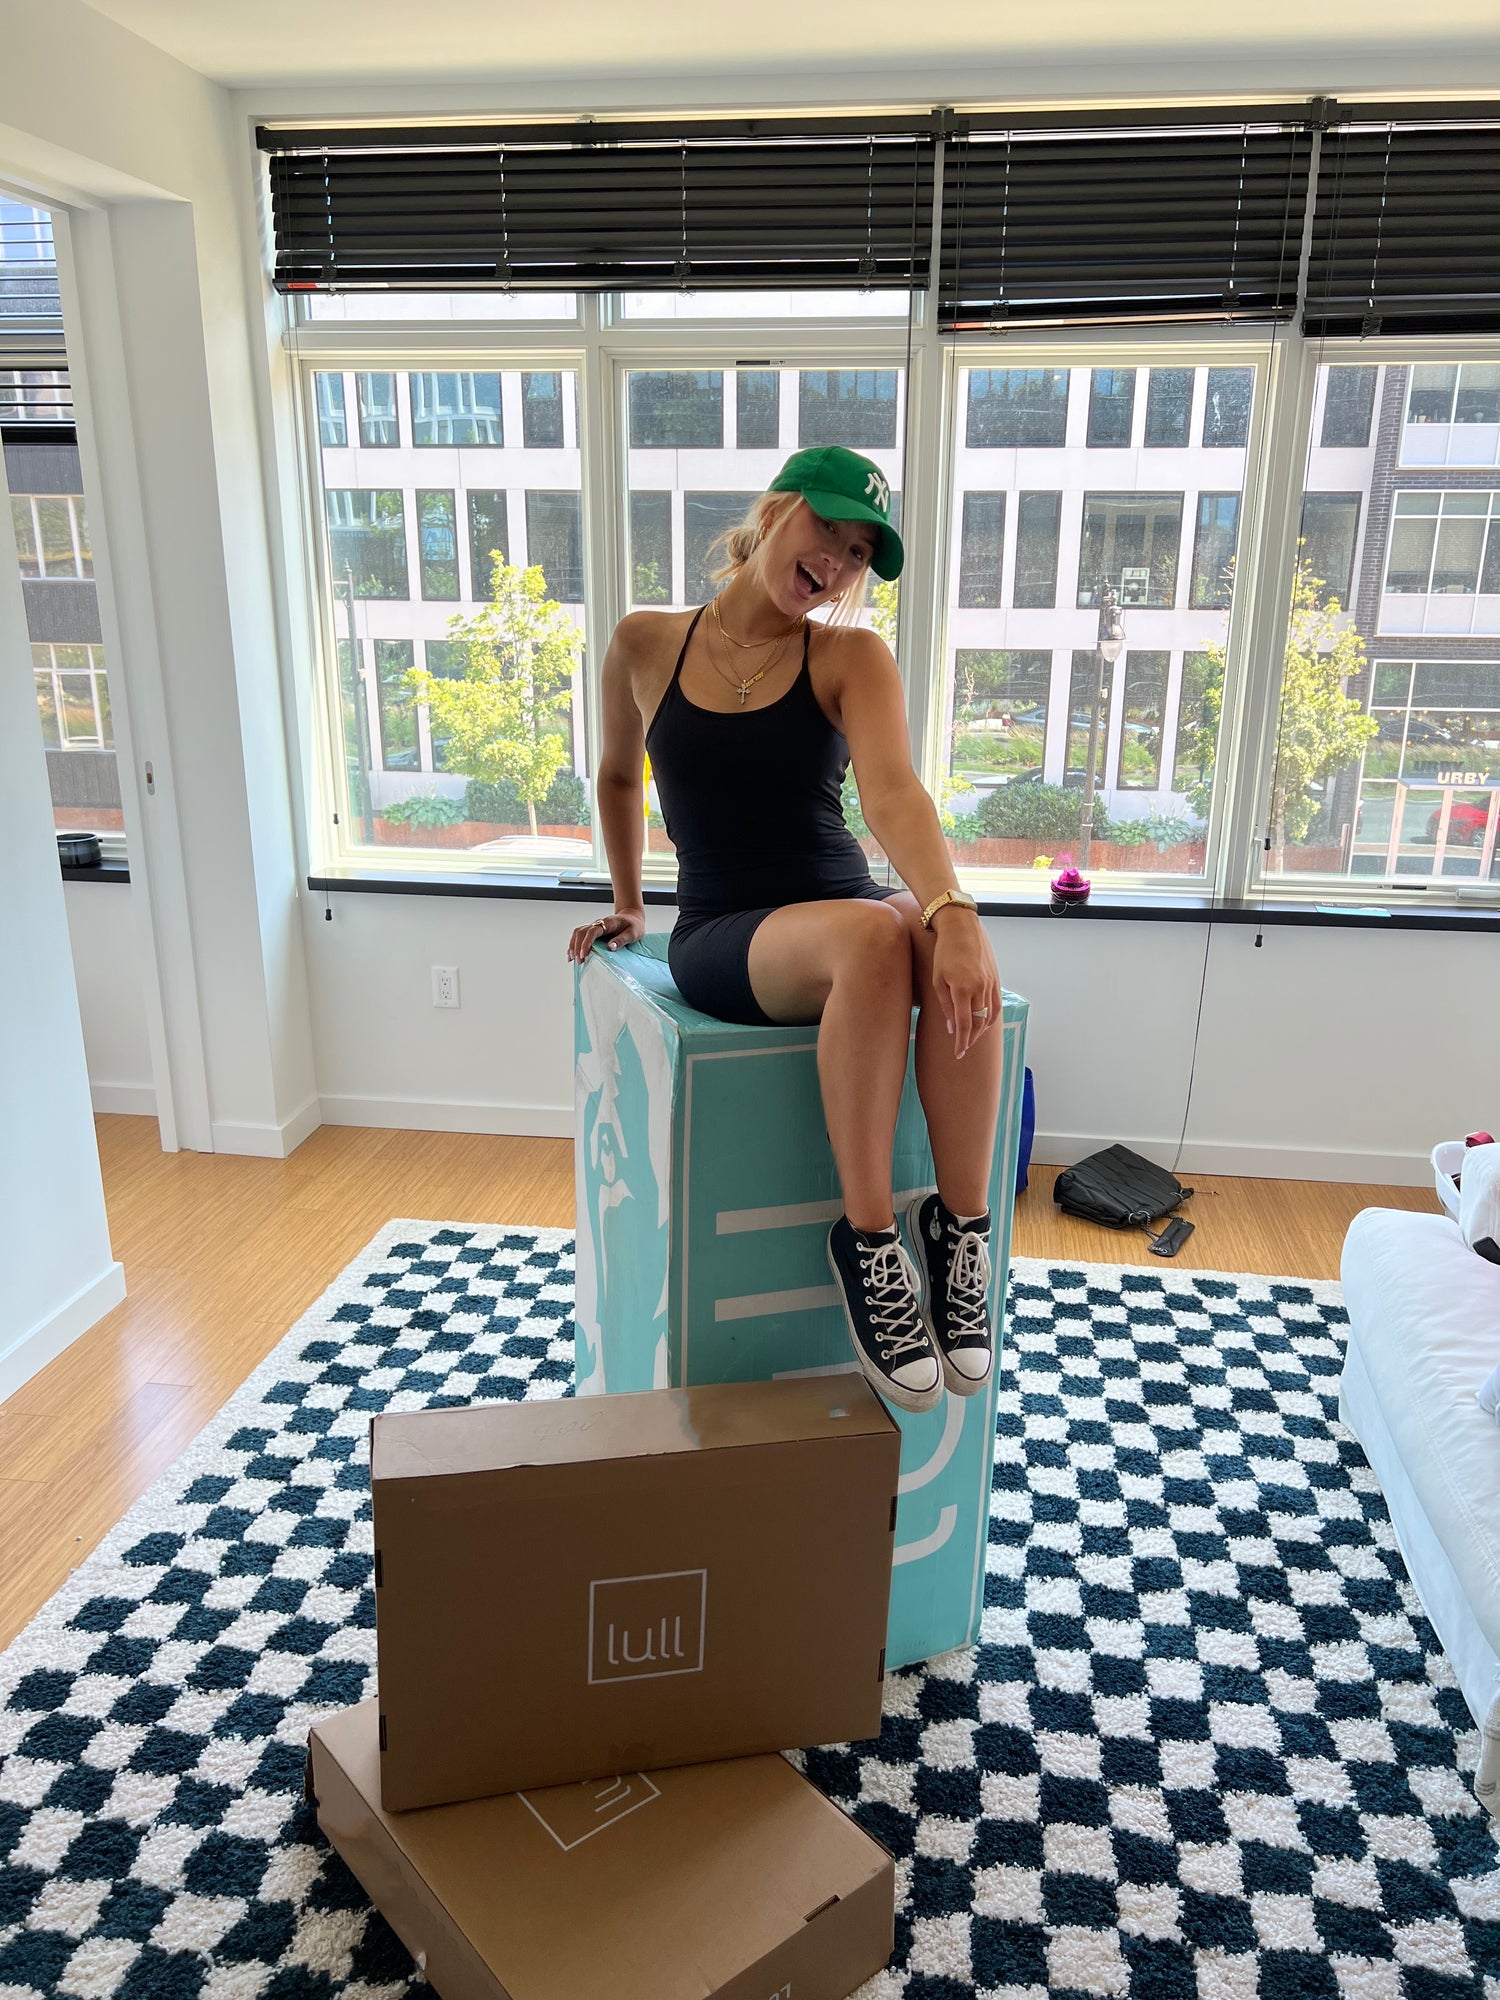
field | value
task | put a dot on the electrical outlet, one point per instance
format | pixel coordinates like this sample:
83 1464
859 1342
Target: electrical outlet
445 986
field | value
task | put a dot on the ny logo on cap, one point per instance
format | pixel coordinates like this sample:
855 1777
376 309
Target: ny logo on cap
882 492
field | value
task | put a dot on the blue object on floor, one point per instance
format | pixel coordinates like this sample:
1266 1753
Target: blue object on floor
1028 1132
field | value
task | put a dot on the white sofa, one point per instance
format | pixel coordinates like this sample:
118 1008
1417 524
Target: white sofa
1424 1332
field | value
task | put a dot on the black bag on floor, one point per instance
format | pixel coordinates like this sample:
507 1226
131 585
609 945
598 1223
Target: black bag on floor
1119 1189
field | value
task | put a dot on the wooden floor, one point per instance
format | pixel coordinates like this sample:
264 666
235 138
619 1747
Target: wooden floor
222 1254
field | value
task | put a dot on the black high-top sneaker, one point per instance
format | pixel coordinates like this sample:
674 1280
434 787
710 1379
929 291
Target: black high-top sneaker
878 1285
953 1266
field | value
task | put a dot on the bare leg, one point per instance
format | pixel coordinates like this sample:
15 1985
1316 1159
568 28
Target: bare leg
848 965
961 1101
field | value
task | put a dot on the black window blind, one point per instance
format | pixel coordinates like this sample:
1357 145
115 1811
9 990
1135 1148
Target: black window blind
1406 230
754 203
1162 215
1078 227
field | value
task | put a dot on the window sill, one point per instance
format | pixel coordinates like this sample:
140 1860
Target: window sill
107 871
1110 906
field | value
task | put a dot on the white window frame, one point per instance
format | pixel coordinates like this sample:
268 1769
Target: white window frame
602 345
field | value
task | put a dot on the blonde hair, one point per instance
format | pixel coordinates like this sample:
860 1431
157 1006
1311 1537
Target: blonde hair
766 515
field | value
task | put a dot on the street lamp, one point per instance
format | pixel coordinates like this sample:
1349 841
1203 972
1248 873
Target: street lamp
1107 649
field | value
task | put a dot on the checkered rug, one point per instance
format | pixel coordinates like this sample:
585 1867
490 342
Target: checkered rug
1207 1750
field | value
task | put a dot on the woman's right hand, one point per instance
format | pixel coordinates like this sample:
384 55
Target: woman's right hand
624 927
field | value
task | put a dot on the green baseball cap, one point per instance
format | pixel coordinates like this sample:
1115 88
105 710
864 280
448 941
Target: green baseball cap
841 486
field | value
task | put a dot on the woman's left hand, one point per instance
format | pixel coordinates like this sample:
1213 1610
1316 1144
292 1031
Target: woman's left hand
964 973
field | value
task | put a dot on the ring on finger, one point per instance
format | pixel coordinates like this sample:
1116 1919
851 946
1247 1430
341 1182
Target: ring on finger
981 1013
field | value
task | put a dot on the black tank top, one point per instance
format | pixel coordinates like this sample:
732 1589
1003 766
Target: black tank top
751 800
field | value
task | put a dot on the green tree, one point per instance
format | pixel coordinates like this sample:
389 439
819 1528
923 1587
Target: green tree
503 715
1321 727
885 608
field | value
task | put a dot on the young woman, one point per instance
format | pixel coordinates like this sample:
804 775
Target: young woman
750 712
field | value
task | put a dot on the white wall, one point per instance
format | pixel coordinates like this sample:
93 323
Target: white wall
1323 1055
109 977
54 1240
166 340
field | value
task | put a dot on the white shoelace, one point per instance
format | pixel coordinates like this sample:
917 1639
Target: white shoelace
893 1298
969 1279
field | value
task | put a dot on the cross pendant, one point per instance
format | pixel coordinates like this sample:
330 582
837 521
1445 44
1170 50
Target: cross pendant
744 690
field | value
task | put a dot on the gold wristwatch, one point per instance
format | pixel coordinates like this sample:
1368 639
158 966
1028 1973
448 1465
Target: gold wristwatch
957 896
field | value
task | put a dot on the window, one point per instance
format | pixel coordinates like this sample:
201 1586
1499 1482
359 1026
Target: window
1088 713
650 548
1197 722
1169 407
554 538
52 538
380 614
1038 520
705 516
541 409
62 617
1143 702
675 510
376 398
446 660
1430 782
999 716
456 408
1111 406
1478 398
367 541
332 429
1430 397
757 409
1226 406
1452 414
398 711
1330 525
489 536
440 307
1348 407
1130 541
1213 550
72 695
35 396
679 409
437 539
882 303
1017 406
981 549
849 406
1443 544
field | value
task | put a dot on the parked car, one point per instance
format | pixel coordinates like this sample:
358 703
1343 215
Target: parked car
1466 824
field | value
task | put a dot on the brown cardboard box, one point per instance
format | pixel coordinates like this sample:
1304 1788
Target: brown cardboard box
737 1880
615 1583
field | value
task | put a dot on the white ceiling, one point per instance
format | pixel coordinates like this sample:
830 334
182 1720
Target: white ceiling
1144 46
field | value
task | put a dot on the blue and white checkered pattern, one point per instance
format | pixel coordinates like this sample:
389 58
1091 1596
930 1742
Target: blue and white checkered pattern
1207 1750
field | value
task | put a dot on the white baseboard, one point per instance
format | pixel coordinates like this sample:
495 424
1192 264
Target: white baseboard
1250 1162
31 1351
415 1114
128 1100
268 1142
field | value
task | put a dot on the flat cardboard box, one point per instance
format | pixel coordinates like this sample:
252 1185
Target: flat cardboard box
734 1880
589 1587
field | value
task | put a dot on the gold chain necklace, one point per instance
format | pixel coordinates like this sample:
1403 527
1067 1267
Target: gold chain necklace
743 687
749 645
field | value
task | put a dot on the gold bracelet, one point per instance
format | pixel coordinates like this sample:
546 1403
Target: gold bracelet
964 902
